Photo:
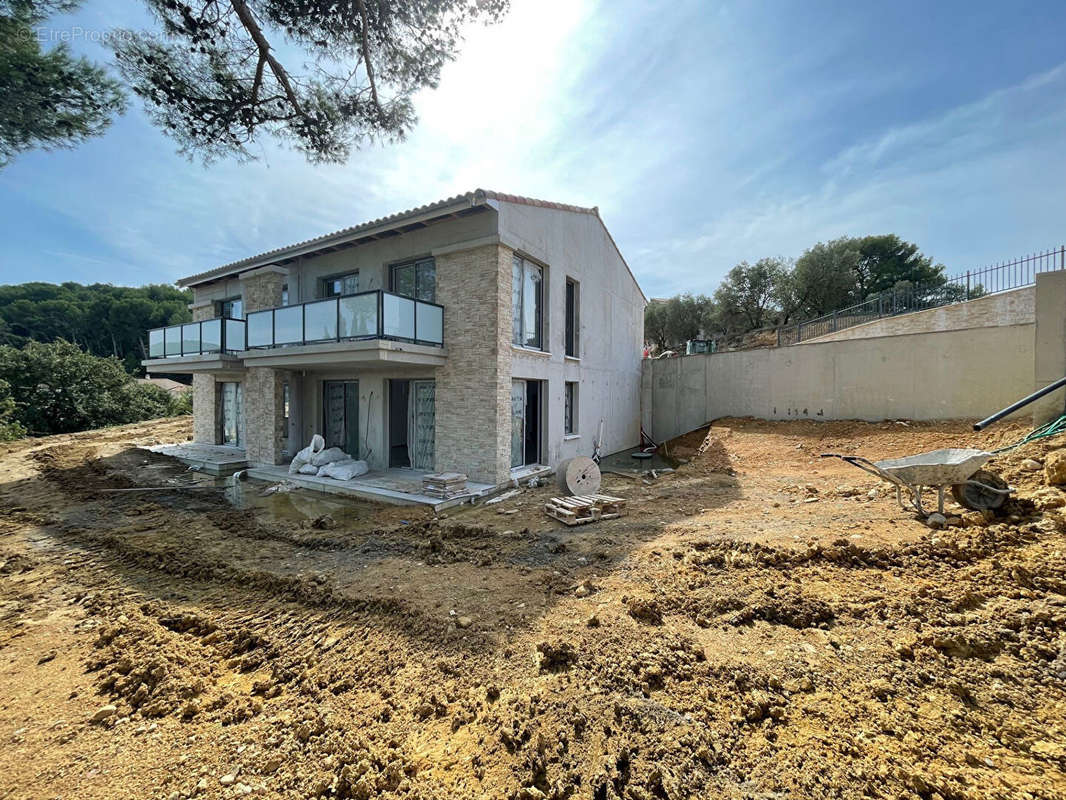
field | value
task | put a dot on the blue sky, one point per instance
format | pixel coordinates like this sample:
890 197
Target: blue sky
706 132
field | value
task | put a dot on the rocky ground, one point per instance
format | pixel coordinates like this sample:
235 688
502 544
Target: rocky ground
763 624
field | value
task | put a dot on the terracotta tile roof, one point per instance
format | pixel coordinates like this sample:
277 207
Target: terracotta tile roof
478 197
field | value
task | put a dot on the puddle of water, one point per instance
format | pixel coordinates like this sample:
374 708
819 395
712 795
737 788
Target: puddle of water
623 461
296 505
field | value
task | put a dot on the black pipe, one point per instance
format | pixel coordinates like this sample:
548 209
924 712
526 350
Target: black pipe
980 426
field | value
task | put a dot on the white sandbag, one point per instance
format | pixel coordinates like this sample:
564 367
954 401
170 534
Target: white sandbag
344 470
308 469
329 456
304 456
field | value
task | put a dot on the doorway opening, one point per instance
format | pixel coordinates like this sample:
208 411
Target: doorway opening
412 423
231 414
526 397
340 411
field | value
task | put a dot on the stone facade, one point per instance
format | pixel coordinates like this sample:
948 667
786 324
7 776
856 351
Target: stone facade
261 288
202 311
473 431
264 415
204 409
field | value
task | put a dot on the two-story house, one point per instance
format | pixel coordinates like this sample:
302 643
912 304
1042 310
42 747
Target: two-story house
486 334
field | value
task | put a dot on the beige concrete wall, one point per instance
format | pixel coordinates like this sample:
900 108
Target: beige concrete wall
610 331
1016 307
374 258
474 387
939 375
1050 356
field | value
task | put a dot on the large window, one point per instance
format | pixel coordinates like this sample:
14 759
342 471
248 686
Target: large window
416 279
336 285
570 409
572 317
527 290
231 307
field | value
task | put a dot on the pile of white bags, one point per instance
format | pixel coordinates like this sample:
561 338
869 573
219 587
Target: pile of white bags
303 458
334 463
344 470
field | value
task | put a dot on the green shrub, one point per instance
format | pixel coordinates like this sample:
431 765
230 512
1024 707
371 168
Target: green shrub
59 388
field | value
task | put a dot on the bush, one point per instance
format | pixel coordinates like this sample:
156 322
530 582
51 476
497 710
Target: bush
10 428
59 388
181 405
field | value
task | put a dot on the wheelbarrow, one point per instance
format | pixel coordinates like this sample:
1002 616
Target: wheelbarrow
972 487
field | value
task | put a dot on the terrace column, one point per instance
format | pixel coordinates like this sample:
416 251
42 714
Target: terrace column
261 288
264 414
204 396
263 395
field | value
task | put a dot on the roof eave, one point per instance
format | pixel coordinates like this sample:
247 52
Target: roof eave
348 237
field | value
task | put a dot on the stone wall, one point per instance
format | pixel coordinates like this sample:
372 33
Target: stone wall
202 311
263 415
261 288
473 428
204 409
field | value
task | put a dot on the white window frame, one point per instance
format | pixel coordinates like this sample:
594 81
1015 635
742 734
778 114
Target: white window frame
519 334
570 408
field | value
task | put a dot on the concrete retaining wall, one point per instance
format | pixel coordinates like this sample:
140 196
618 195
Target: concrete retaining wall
1016 307
933 374
940 375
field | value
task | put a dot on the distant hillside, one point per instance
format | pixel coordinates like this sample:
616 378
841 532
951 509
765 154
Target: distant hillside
103 319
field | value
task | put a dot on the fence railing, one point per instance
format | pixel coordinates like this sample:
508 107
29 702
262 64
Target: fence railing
969 285
223 335
367 315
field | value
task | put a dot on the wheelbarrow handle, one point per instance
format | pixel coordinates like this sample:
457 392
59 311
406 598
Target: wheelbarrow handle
866 465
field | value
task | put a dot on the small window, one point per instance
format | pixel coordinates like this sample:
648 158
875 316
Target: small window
286 400
416 279
570 410
572 317
527 290
337 285
231 308
285 294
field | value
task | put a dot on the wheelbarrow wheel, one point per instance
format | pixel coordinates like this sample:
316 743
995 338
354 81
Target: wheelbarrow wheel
977 498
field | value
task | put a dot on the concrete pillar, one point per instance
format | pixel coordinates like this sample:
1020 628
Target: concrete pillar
204 409
263 415
1050 344
473 426
261 288
205 309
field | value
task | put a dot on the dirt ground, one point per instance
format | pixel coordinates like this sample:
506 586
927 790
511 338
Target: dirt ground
763 624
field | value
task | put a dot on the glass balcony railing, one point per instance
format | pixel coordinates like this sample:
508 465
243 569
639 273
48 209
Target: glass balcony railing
223 335
367 315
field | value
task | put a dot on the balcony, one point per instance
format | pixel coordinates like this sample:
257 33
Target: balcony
354 317
363 328
209 337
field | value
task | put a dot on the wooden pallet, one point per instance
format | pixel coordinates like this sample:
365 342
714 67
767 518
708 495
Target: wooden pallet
586 508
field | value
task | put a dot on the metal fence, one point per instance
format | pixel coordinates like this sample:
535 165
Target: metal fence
903 300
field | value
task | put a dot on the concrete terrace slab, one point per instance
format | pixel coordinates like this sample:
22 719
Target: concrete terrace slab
395 486
213 459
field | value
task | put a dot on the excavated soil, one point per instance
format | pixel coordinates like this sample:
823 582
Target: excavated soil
763 624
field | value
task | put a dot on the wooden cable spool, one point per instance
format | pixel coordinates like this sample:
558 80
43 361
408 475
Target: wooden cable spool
578 475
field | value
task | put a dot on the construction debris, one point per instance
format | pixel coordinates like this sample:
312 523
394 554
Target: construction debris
583 509
444 485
